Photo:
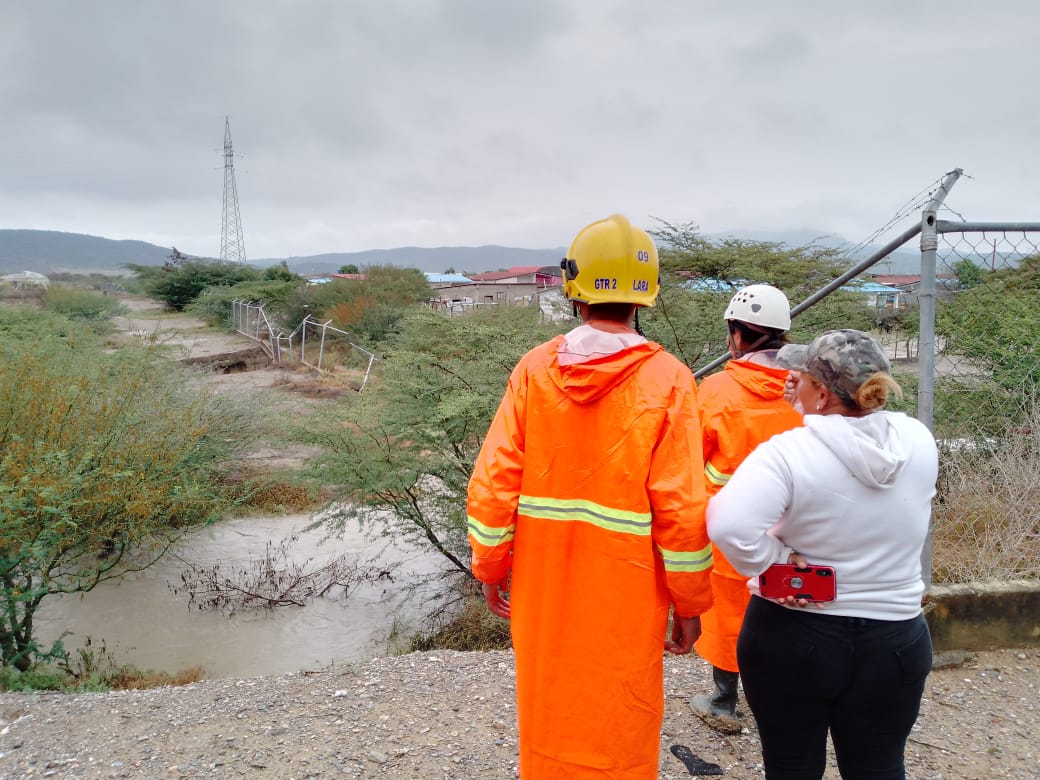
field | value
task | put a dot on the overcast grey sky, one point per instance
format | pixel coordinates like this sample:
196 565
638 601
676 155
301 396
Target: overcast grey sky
380 123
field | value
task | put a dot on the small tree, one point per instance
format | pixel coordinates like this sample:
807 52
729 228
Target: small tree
994 323
179 283
105 460
214 305
281 273
349 268
698 277
367 308
402 456
968 274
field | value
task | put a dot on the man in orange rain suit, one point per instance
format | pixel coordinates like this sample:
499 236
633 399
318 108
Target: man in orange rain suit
741 407
588 490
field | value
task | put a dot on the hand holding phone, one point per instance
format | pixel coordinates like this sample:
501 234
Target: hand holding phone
808 583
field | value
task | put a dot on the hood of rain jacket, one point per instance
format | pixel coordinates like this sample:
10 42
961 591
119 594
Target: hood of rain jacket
766 382
599 370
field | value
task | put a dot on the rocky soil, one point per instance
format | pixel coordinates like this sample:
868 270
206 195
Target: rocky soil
444 715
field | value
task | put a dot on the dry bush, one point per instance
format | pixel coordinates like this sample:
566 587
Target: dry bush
463 623
986 520
276 579
272 493
129 678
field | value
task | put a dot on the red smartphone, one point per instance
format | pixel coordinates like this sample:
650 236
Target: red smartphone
813 583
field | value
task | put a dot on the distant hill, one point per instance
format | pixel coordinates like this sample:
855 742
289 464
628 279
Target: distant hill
463 259
47 251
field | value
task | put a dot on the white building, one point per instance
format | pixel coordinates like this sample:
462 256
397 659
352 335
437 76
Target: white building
25 280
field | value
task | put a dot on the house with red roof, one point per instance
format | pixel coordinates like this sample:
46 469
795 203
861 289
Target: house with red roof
540 275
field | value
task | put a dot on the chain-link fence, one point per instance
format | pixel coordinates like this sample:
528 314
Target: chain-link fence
986 402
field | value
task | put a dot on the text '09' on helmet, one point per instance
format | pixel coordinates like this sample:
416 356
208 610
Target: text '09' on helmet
610 261
762 305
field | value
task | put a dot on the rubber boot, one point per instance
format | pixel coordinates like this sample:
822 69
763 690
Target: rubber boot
720 709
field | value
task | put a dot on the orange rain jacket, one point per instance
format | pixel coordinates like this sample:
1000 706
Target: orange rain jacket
741 407
588 486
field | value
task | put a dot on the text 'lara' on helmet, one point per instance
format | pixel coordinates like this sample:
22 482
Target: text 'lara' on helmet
762 305
610 261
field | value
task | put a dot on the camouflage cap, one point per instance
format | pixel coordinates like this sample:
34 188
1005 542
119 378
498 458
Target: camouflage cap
841 359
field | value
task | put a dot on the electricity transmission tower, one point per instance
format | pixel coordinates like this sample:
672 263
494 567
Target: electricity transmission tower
232 246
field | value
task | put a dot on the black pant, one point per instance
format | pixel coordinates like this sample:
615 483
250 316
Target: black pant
805 672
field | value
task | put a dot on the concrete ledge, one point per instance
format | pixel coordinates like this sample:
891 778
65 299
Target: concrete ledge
984 615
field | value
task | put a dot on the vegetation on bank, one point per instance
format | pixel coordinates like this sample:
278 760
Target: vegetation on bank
369 310
91 668
107 458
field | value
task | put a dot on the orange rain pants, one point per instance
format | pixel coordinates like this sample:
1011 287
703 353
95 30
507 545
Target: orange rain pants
588 489
741 407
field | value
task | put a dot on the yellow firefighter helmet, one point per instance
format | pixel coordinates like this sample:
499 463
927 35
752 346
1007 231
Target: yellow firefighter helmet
610 261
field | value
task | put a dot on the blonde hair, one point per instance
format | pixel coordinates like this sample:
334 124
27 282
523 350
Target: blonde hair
873 394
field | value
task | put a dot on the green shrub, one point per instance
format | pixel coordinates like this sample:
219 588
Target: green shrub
21 323
370 309
81 304
179 283
214 303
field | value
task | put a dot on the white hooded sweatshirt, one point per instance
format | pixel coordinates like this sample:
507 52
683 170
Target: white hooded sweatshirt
849 492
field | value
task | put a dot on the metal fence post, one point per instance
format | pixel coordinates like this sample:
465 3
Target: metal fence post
321 348
371 360
926 340
926 299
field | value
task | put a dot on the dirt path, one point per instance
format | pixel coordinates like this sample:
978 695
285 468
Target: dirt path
284 391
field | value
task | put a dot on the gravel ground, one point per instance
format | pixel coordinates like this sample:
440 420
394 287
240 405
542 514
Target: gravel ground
451 715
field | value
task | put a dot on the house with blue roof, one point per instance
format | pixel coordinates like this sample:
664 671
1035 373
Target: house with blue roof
446 280
875 294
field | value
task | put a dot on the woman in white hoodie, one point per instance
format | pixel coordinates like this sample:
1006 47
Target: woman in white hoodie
852 490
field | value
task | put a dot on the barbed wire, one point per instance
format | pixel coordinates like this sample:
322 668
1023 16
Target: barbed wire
912 206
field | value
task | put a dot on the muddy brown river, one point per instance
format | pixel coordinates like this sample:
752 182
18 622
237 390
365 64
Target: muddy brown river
141 620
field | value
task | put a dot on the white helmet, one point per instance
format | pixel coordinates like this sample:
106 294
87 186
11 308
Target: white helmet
762 305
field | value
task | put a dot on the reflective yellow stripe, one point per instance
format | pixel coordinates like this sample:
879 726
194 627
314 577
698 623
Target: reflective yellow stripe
636 523
715 476
686 561
491 536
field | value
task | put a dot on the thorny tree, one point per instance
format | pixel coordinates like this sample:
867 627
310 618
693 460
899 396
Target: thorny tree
403 454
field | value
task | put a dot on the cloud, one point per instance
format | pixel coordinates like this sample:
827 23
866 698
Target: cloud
433 122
